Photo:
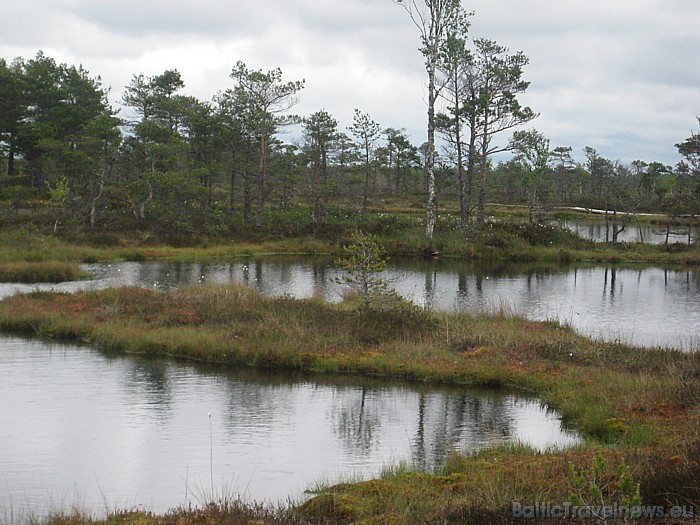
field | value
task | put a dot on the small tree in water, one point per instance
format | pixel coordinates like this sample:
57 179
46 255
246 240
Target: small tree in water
364 262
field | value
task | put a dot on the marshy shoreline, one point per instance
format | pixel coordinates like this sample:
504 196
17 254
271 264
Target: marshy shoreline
635 407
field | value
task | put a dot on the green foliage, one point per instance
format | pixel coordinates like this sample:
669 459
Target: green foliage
54 116
264 98
364 262
366 132
186 167
509 235
533 153
181 209
59 190
320 135
599 487
690 149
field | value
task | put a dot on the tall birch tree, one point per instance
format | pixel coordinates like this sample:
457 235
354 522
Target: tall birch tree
436 20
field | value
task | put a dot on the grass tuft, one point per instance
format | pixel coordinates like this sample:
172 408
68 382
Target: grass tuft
41 272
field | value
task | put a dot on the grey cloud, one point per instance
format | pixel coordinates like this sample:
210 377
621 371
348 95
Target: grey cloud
207 18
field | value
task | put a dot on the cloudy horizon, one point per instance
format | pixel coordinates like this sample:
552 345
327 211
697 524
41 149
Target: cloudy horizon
622 77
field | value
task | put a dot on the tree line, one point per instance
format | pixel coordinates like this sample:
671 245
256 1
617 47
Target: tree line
479 82
179 165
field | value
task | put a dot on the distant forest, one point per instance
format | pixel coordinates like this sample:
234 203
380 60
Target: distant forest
176 165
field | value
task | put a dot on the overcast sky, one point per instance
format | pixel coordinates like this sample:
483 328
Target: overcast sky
622 76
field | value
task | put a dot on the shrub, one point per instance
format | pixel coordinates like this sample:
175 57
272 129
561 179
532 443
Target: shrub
600 486
364 262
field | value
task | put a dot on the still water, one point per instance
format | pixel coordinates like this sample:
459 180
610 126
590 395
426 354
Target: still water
89 430
639 305
650 234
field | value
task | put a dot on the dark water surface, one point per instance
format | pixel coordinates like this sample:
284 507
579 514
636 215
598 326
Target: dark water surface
81 428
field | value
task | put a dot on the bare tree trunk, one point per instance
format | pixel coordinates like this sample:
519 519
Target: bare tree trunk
11 157
616 229
668 229
142 205
533 203
315 190
93 207
139 208
463 194
471 166
365 194
261 181
463 203
607 224
432 190
481 214
639 225
320 190
397 173
247 197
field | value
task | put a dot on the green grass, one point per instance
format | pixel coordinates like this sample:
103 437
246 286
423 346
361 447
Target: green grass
508 240
226 512
33 246
632 405
41 272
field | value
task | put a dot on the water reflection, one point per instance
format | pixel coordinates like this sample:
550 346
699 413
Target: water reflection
85 428
357 419
654 234
147 388
644 306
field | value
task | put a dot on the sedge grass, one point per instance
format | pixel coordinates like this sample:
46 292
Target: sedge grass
227 511
41 272
496 241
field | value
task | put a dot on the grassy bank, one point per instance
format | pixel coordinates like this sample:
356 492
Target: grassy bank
637 408
401 236
228 512
34 246
41 272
